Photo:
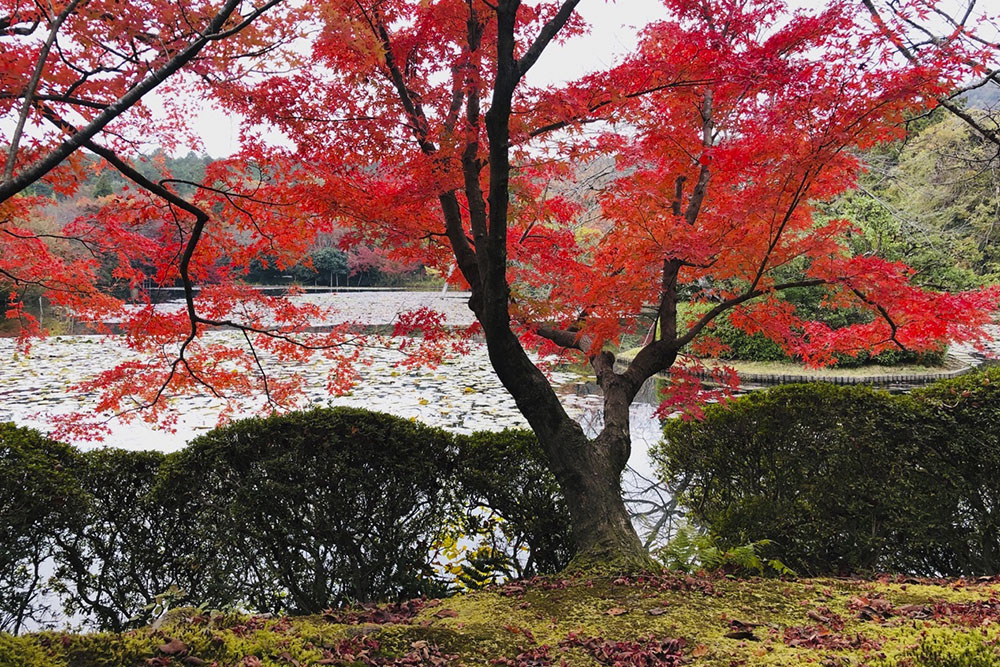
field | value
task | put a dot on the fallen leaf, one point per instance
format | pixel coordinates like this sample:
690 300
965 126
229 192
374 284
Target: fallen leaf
174 647
818 617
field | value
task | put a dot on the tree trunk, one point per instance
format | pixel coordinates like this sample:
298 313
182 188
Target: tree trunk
590 480
588 471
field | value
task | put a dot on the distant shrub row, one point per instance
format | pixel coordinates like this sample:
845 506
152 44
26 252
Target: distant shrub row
758 347
850 479
290 513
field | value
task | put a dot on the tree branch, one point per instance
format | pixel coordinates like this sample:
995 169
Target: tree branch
597 106
547 33
735 301
43 166
32 87
885 315
991 135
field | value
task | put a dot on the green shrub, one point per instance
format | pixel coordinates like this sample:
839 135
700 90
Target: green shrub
742 346
802 466
892 357
747 347
39 499
513 505
849 479
306 510
960 459
293 513
117 557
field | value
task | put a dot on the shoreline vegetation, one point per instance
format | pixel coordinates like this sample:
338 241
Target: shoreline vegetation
790 372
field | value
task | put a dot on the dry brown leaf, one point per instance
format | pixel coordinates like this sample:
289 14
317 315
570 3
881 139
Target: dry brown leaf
174 647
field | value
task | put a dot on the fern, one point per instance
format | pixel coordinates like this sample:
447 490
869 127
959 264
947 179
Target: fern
691 550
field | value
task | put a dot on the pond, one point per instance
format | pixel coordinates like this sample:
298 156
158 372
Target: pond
462 395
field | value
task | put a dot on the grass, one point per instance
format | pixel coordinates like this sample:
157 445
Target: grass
792 368
655 620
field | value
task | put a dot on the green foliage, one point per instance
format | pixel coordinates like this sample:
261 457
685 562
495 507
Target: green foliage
959 459
324 265
329 262
849 479
949 648
293 513
931 202
746 347
517 512
118 556
892 357
691 550
39 500
326 507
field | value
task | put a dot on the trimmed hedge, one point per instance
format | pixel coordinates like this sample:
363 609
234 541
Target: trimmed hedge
960 449
308 510
117 555
849 479
523 524
293 513
39 498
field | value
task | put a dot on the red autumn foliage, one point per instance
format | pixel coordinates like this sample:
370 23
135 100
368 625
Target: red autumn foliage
822 637
647 652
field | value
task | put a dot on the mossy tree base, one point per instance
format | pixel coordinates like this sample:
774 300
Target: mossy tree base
584 621
611 560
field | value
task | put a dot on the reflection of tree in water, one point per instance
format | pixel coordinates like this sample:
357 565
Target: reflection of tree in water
652 507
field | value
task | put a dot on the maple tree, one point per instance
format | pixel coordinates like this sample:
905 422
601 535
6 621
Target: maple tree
729 121
412 124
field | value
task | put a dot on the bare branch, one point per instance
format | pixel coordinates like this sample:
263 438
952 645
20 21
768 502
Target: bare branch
32 87
990 134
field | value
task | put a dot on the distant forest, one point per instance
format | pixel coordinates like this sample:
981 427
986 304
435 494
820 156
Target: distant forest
326 264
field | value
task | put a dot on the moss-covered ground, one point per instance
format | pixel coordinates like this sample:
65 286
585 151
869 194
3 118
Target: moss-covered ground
666 619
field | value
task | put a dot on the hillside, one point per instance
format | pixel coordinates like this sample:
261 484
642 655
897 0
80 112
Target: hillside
668 619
